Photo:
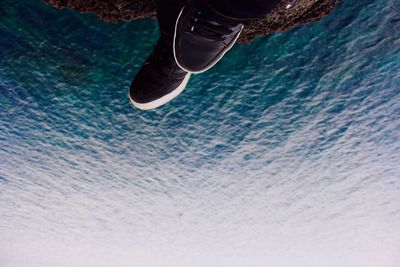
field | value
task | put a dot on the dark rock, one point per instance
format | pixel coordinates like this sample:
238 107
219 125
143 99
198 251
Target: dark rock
280 19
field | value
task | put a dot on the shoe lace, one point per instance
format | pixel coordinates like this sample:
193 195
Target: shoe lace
204 27
161 58
162 62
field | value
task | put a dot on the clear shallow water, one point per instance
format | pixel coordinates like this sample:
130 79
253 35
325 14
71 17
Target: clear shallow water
284 154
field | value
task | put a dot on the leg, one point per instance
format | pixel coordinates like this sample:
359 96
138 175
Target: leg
160 79
242 10
167 12
206 29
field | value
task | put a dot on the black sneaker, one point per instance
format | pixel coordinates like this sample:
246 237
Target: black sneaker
159 80
200 41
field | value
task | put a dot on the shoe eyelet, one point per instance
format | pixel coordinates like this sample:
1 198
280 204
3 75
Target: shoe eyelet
192 29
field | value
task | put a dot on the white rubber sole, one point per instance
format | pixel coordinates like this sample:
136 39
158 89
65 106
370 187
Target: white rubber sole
215 62
162 100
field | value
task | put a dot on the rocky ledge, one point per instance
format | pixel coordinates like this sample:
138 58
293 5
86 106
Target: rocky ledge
289 13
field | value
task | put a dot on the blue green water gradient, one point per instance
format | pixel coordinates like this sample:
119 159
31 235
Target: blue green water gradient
285 154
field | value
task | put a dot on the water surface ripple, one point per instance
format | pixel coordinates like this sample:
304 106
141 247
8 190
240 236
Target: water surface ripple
285 154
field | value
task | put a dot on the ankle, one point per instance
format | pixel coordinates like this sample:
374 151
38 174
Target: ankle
210 12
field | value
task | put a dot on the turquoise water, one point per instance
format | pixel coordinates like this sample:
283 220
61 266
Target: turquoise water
285 154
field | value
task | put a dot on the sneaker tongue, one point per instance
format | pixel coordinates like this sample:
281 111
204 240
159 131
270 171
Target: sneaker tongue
223 24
